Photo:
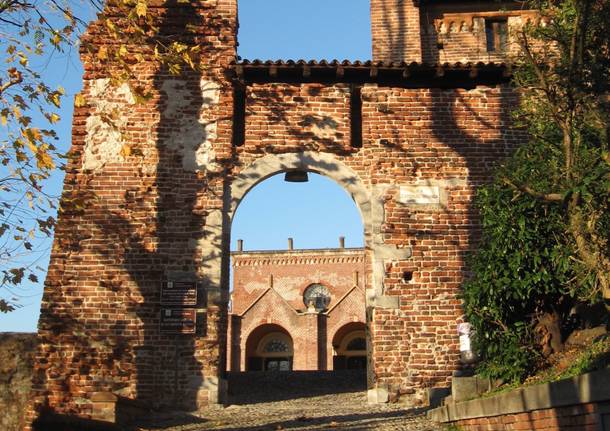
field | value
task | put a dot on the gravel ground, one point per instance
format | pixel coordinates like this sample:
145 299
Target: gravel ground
345 411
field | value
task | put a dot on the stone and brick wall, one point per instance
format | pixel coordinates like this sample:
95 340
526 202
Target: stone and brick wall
139 191
580 403
582 417
150 199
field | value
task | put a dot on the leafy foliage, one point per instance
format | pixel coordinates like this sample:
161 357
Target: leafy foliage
564 80
546 216
522 268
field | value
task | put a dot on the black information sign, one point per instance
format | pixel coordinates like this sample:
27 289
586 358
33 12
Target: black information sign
178 321
181 293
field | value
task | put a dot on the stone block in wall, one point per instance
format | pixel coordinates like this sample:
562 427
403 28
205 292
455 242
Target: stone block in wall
466 388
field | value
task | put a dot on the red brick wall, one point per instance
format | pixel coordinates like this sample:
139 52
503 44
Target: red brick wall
396 30
584 417
437 33
292 272
131 219
126 222
456 33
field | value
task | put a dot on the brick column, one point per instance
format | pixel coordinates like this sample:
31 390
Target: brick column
395 30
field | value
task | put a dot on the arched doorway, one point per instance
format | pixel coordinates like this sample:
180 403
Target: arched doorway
349 347
366 280
269 348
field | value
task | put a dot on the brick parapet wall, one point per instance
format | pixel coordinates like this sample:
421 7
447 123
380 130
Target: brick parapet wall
432 33
582 417
576 403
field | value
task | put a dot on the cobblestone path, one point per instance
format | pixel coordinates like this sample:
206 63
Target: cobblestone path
344 411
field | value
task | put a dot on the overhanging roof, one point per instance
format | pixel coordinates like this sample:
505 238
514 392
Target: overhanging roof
395 74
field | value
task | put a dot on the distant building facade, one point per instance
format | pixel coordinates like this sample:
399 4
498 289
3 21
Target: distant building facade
297 310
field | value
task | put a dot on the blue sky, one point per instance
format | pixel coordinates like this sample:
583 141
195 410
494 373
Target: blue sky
315 214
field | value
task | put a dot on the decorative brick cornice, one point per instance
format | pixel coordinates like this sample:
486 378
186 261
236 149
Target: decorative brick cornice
298 257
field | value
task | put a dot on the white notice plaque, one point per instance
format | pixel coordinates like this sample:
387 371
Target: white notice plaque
420 195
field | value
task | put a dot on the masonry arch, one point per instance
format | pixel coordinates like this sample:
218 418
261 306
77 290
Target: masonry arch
368 207
349 346
269 347
320 163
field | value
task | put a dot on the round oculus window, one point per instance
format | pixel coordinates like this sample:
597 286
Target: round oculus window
318 296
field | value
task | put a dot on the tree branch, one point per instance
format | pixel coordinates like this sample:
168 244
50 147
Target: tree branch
546 197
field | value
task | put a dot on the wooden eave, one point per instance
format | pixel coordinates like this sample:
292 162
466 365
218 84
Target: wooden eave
388 74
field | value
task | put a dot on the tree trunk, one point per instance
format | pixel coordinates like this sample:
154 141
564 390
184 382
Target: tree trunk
591 251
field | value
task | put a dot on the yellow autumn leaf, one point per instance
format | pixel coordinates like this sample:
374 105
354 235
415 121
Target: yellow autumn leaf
110 25
44 160
125 151
102 54
122 51
79 100
187 59
55 99
141 8
4 116
56 39
54 118
17 112
33 134
33 148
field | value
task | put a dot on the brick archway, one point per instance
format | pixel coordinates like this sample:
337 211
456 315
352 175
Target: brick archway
321 163
325 164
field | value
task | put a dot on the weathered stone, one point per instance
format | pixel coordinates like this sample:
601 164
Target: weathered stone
466 388
158 188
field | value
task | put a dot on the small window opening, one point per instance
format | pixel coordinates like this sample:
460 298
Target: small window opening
496 31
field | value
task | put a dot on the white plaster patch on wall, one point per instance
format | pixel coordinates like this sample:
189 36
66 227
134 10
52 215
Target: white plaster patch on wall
104 138
192 134
255 286
419 195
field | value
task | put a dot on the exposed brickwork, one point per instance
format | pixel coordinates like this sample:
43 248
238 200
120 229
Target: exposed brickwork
584 417
396 30
435 32
268 288
138 220
160 212
452 33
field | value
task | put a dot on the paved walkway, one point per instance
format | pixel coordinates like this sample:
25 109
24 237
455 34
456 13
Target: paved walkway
344 411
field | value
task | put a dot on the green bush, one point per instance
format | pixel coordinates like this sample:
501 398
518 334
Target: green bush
521 269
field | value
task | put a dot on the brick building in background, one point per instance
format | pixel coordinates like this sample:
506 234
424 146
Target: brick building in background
410 135
297 310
